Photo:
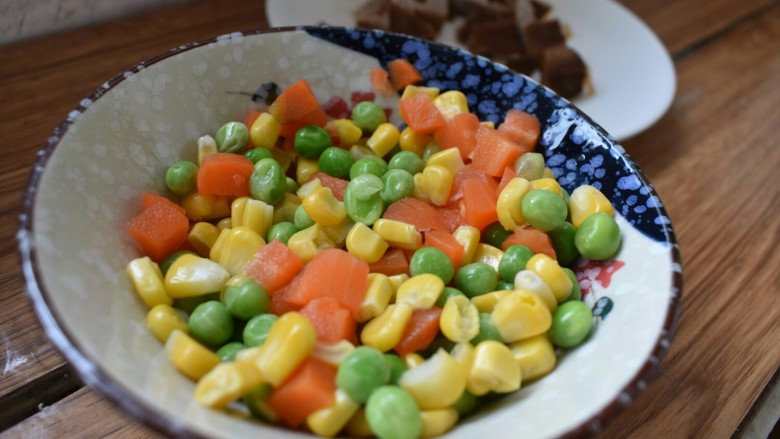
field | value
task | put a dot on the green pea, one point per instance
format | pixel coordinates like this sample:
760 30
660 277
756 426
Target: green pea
336 162
368 116
495 234
257 403
398 184
228 351
476 279
466 403
504 285
392 414
268 182
362 200
292 186
170 258
530 166
571 324
367 165
544 209
397 367
362 371
281 231
310 141
514 260
562 238
181 177
211 323
244 297
487 330
188 304
301 219
232 137
434 261
257 154
257 328
431 149
446 294
576 291
408 161
598 237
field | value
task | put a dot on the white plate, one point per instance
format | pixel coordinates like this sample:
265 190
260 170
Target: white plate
632 74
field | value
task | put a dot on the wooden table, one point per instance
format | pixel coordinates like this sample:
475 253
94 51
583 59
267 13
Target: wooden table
714 159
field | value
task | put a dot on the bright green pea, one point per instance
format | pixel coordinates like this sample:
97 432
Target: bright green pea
571 324
292 186
398 184
562 238
281 231
181 177
268 182
257 328
301 219
367 165
188 304
368 116
362 371
257 154
434 261
446 294
362 199
408 161
170 258
244 297
487 330
504 285
476 279
392 413
495 234
232 137
598 237
336 162
397 367
515 259
544 209
211 323
466 403
530 166
310 141
576 291
228 351
257 403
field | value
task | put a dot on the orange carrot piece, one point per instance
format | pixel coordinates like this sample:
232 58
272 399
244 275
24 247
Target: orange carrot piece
336 185
331 319
420 114
459 132
294 102
148 199
420 331
279 304
467 172
479 203
224 173
159 229
273 266
315 117
447 243
423 216
494 151
509 174
536 240
522 128
402 73
380 82
311 387
453 217
393 262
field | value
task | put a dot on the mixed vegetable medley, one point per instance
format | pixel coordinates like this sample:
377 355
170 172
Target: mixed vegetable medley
345 274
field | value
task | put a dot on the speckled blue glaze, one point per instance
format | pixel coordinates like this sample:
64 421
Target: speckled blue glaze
576 149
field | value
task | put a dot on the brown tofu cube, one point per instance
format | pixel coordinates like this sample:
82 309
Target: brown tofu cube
374 14
539 35
492 38
563 71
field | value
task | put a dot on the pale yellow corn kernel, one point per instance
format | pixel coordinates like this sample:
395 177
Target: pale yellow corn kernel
421 291
206 145
488 254
264 132
347 132
163 320
285 210
338 233
488 124
436 182
309 241
449 158
487 302
418 192
332 353
358 425
385 330
365 243
225 223
239 247
437 383
305 168
398 234
535 355
199 207
216 249
413 141
324 208
397 279
248 354
308 188
384 139
548 173
509 204
494 369
547 183
552 274
291 338
413 90
284 157
413 360
253 214
226 383
192 275
530 281
463 353
148 281
379 292
202 237
328 421
190 357
361 151
451 103
585 201
468 237
520 315
437 422
459 319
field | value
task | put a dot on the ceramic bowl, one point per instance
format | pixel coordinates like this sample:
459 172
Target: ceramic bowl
118 142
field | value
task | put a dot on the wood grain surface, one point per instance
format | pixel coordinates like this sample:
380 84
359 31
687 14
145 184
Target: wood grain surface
714 159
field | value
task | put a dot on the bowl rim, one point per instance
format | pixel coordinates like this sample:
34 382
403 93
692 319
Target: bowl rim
100 380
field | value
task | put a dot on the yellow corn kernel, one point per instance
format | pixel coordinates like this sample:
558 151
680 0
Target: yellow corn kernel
199 207
225 223
488 254
413 141
190 357
332 353
413 360
361 151
449 158
324 208
548 173
328 421
284 157
487 302
417 191
338 233
397 279
494 369
239 246
206 145
163 320
285 210
535 355
192 275
358 425
421 291
365 243
468 237
148 281
202 237
309 241
253 214
437 383
585 201
385 330
398 234
459 319
488 124
346 130
520 315
552 274
451 103
436 182
530 281
308 188
216 249
227 382
378 295
509 204
291 338
264 132
384 139
463 353
437 422
412 90
305 169
547 183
